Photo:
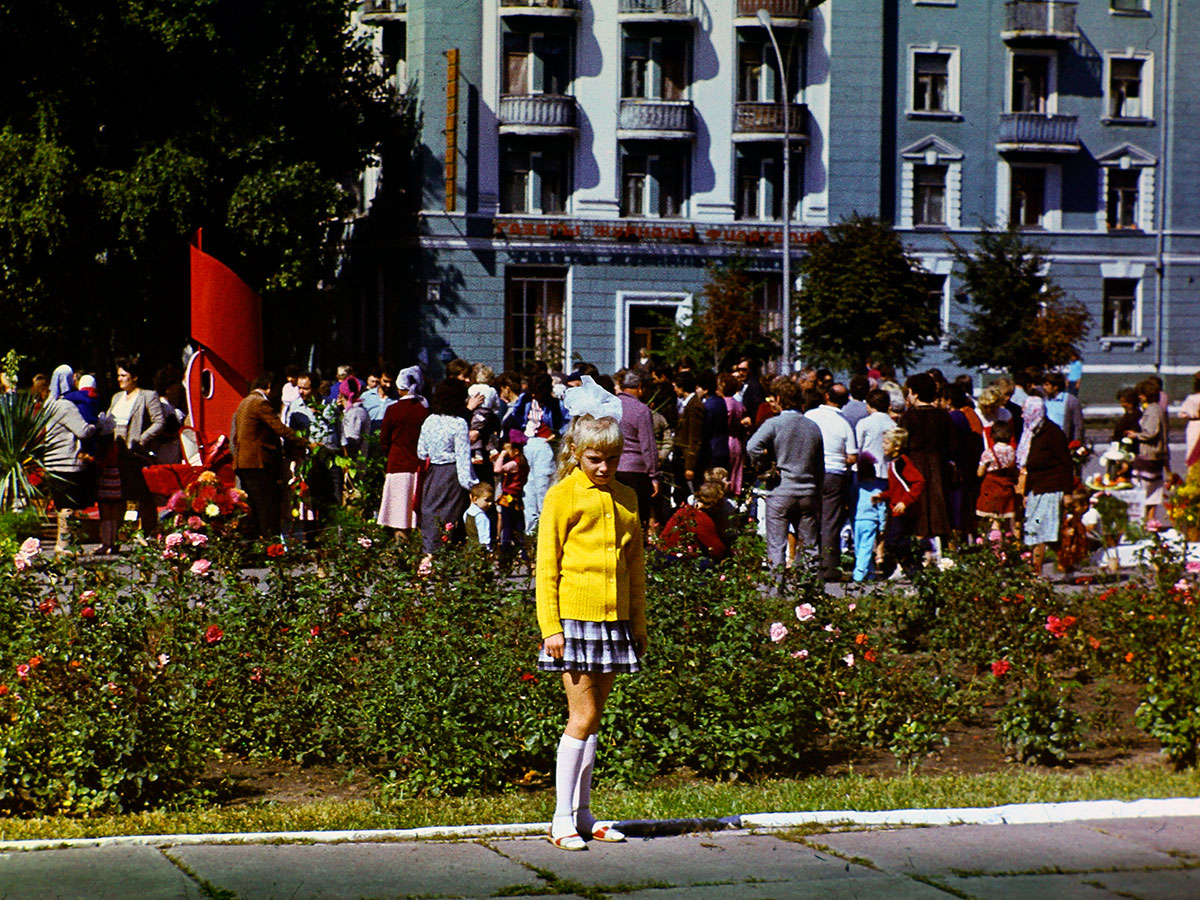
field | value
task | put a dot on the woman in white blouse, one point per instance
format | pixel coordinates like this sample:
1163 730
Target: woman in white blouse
138 419
446 444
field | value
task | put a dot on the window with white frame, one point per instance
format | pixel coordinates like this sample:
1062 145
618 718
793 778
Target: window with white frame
1130 85
933 85
1033 83
1027 196
535 320
931 185
654 68
759 172
534 181
654 179
1120 317
1126 188
536 63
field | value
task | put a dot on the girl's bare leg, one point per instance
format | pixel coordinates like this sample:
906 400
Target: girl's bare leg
587 692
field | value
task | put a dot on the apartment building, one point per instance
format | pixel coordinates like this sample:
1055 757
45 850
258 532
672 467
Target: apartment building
583 161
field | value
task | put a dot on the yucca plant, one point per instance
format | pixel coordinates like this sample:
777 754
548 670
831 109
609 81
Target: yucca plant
23 446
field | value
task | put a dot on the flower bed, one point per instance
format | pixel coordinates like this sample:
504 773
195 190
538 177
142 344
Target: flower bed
118 682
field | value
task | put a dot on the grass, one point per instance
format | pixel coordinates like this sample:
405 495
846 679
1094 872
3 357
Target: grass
692 800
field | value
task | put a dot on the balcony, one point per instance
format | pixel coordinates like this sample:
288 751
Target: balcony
534 114
1039 21
385 10
784 13
1038 133
566 9
759 121
655 119
656 11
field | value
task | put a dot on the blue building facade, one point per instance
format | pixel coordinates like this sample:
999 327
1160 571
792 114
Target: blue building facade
603 152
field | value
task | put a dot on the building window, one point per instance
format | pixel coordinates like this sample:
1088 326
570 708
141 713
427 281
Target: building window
654 68
935 286
1031 84
1120 307
1126 95
760 182
929 195
533 181
758 70
931 82
1129 6
768 294
536 63
653 181
1027 197
1122 202
535 301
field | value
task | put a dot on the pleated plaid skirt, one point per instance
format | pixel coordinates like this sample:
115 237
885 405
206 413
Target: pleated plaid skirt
593 647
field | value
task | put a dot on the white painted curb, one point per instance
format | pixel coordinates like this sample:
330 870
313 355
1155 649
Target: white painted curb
1013 814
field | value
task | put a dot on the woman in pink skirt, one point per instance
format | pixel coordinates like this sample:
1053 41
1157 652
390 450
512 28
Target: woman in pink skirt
728 387
398 435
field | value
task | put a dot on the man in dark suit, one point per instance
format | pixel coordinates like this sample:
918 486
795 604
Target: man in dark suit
257 440
689 436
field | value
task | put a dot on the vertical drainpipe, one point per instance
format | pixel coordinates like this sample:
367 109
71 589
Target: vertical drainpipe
1159 273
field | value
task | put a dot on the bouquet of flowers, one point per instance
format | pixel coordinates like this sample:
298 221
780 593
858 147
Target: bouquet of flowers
1080 452
1183 507
206 502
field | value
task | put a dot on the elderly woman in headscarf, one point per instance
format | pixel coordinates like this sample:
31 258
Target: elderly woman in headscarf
398 435
66 429
1047 475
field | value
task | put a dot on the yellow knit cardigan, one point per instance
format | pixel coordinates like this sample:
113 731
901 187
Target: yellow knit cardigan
590 558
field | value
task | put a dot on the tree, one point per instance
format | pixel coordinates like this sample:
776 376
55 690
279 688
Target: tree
1016 315
152 119
730 321
864 298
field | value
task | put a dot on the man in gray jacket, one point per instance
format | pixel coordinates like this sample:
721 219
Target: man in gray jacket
796 444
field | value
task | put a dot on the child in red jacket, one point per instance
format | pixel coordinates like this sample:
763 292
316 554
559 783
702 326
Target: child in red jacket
905 485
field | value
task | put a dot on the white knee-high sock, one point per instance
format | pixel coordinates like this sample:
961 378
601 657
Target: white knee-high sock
570 761
584 820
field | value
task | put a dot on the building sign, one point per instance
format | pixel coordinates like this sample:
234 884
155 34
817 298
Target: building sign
684 232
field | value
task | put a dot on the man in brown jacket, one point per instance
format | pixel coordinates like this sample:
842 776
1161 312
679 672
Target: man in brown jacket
689 432
258 457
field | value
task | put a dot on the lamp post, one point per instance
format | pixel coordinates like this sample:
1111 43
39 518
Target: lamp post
764 17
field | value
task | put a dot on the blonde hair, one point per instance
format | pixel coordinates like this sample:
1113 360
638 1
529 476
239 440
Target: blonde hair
718 475
589 433
991 398
895 441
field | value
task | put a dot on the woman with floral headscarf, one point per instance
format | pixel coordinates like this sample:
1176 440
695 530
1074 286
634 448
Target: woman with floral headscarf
1048 475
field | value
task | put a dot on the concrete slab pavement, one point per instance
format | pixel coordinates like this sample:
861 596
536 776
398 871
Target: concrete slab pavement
100 873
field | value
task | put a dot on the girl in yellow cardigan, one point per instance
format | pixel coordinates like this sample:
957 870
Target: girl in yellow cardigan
591 606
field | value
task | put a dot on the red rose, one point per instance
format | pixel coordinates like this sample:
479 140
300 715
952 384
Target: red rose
213 634
276 550
88 613
1000 668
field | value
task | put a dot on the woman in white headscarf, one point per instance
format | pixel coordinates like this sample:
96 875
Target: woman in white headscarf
61 382
398 435
1047 473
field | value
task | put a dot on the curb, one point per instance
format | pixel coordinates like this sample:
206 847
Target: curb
1011 814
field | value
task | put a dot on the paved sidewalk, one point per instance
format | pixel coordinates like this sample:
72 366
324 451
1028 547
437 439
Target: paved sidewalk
1143 859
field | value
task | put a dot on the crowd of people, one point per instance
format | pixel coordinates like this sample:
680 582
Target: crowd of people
892 473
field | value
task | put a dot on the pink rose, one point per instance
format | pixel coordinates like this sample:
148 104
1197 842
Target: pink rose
1194 565
805 611
848 659
730 611
21 561
365 542
1182 585
173 540
178 502
201 567
31 546
87 596
195 522
852 607
196 539
799 654
778 631
23 671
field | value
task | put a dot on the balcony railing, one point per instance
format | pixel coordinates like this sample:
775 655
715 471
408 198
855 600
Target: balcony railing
666 117
1037 132
537 113
767 118
669 9
540 7
1039 20
385 8
783 10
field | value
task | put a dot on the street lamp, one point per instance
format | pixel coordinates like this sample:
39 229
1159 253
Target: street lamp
764 17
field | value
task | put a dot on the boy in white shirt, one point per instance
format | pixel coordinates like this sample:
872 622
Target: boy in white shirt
479 525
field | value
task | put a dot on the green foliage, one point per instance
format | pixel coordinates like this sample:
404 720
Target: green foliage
1016 315
864 297
246 120
1039 726
23 445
